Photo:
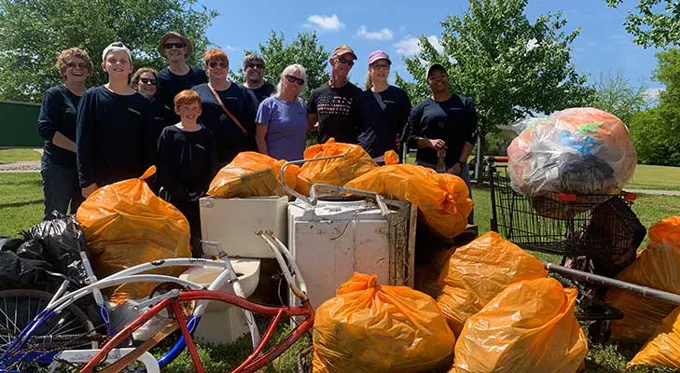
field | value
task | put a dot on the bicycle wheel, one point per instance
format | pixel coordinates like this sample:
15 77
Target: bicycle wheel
71 329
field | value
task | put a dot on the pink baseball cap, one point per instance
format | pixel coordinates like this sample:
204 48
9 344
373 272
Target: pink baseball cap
378 55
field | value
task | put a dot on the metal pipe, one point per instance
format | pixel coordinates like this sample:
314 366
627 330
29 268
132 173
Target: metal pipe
610 282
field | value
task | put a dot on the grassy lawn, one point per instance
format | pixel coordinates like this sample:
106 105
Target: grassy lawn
16 155
21 206
655 177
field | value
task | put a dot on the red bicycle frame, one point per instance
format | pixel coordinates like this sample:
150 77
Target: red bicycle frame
256 360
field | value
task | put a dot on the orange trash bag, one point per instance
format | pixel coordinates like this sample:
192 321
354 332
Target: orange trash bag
442 199
252 174
379 328
126 224
338 171
391 157
477 272
529 327
656 267
663 349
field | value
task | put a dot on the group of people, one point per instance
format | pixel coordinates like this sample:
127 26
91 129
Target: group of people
192 120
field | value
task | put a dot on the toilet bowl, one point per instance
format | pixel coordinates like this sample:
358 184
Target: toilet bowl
223 323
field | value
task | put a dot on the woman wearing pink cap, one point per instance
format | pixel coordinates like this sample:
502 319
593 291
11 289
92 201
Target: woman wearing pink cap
382 110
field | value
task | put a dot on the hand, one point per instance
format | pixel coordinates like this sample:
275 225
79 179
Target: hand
89 189
437 144
455 170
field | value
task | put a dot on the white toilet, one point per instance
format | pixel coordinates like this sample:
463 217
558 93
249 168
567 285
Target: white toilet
222 323
234 222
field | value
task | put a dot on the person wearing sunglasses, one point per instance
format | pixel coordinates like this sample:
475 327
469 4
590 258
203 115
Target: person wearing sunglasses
253 67
382 110
178 75
228 109
112 126
281 130
444 128
57 125
330 104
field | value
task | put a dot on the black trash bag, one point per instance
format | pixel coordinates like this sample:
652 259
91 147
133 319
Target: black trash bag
21 273
59 241
10 244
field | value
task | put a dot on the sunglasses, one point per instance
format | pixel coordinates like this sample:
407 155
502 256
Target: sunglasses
255 66
380 66
345 61
73 65
221 64
295 79
148 81
179 45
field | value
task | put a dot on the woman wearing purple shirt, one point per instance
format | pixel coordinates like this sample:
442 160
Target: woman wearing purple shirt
282 118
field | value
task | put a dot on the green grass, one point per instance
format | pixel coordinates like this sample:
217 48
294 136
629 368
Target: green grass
16 155
655 177
21 206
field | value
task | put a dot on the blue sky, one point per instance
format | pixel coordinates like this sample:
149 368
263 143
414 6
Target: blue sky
602 46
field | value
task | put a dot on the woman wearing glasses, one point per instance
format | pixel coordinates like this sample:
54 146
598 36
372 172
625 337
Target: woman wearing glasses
145 81
113 125
179 75
57 125
228 109
282 119
382 110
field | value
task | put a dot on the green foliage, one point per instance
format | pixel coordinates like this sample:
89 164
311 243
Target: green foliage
507 65
304 50
655 132
615 94
656 23
34 32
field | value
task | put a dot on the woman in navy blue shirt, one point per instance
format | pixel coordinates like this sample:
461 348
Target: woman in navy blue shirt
381 111
57 125
113 121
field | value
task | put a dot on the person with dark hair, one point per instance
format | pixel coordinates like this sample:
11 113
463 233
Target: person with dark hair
113 121
187 158
145 81
329 105
228 109
382 110
444 128
253 67
178 75
57 125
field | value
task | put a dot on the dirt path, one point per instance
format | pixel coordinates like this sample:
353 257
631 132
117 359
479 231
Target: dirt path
22 166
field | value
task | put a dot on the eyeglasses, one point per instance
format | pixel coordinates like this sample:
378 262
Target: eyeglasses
295 79
148 81
380 66
221 64
179 45
73 65
255 66
345 61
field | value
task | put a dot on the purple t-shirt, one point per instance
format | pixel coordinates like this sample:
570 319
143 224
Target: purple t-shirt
286 127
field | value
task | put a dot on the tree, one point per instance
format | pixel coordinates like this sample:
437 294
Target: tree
304 50
615 94
655 132
510 67
33 32
656 23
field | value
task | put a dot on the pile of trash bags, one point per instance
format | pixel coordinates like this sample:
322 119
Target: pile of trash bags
508 316
126 224
577 150
45 256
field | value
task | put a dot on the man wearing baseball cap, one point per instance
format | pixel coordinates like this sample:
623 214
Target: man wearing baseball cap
330 105
382 110
444 128
178 75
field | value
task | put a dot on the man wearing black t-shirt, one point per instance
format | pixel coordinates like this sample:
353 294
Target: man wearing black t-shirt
178 76
253 67
444 124
329 105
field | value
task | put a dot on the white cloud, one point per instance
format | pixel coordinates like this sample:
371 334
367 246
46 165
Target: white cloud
532 44
383 34
652 94
324 23
230 48
410 45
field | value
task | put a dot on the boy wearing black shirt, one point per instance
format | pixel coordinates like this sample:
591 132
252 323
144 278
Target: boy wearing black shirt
187 158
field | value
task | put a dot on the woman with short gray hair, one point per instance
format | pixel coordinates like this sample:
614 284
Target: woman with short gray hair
282 118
